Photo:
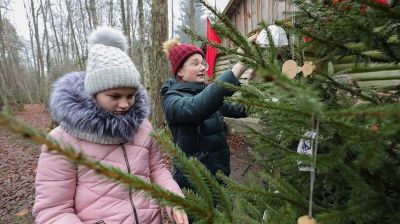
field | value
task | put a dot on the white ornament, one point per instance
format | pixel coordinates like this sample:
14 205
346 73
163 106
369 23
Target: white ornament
305 147
278 35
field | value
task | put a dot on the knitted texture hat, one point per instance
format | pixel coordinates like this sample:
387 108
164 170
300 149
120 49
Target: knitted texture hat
178 53
108 65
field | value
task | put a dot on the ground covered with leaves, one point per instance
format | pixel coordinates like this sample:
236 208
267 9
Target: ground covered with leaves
18 161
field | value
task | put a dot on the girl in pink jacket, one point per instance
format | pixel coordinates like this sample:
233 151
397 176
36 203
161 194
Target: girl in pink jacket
103 113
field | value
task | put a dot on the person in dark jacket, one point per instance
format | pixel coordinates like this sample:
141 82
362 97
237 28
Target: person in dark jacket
194 111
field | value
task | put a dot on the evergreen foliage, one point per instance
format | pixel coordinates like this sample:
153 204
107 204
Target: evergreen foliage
357 166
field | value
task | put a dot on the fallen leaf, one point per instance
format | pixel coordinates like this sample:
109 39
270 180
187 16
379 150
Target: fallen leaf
23 212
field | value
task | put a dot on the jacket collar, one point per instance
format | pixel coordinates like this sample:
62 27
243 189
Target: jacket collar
173 84
78 113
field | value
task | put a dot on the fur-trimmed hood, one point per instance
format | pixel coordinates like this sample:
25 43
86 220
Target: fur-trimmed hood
79 114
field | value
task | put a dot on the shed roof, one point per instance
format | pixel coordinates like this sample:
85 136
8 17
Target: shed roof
231 7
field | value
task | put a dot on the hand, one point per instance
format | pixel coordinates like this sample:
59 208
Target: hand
178 215
251 39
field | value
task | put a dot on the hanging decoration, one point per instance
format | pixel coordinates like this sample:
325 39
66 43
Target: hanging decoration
313 144
306 220
290 68
211 52
305 147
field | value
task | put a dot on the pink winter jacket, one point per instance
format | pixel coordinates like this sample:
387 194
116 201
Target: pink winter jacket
70 193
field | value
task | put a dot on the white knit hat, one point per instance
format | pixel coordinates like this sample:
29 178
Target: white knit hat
108 65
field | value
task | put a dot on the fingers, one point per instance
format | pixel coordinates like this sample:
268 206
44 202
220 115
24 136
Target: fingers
169 212
253 38
180 216
240 50
252 74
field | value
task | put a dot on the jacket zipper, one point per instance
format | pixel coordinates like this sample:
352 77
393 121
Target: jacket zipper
129 188
198 138
199 154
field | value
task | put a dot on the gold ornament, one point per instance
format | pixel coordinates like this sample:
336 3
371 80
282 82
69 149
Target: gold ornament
290 68
305 219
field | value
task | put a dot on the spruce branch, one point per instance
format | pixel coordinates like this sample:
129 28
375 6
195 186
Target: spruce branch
112 173
254 190
377 113
354 91
199 175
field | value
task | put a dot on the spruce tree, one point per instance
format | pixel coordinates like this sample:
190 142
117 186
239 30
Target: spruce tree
356 129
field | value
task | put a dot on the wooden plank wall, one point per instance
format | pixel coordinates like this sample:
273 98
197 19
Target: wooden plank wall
251 12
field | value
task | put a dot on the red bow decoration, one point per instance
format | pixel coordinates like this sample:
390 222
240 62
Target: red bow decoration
211 52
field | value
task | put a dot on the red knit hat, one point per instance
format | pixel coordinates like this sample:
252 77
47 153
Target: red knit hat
178 53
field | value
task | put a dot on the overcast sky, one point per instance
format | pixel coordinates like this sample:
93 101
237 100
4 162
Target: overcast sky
18 16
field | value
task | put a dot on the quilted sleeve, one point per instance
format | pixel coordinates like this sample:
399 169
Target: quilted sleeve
54 188
159 172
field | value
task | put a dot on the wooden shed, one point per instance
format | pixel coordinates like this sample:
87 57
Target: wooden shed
246 14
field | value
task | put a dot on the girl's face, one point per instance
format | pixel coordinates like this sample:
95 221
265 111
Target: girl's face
117 100
194 69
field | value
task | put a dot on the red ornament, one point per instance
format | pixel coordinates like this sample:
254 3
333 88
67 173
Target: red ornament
375 127
363 8
334 2
306 39
344 8
382 2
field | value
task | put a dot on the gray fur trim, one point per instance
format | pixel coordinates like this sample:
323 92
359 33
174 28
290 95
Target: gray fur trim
108 36
79 114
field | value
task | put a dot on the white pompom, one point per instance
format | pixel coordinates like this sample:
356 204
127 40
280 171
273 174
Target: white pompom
108 36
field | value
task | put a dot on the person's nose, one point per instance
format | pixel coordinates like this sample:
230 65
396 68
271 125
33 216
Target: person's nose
123 103
203 67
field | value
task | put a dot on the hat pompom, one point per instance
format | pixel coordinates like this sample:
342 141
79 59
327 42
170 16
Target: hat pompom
108 36
169 44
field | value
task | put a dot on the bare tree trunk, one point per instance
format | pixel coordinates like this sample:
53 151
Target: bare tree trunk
3 92
191 14
111 13
40 62
83 46
64 36
144 73
3 89
92 13
89 14
35 63
128 26
159 69
73 36
53 26
123 18
172 19
45 79
3 48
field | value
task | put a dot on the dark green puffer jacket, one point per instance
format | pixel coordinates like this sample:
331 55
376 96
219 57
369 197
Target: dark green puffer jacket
194 113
